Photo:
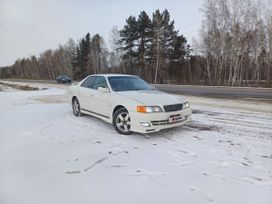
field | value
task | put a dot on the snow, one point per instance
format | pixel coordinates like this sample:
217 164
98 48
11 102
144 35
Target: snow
47 155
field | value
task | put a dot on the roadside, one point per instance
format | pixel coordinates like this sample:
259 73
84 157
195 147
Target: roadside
220 92
217 92
5 88
236 104
35 85
19 86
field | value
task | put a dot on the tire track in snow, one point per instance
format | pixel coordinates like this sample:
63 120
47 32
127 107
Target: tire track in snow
201 194
95 163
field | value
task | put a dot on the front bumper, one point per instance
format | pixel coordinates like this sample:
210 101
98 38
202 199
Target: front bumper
158 121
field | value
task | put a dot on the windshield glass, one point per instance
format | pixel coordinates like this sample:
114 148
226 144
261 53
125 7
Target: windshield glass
63 76
128 83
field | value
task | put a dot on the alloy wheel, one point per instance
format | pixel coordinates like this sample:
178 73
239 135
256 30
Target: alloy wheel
76 107
123 122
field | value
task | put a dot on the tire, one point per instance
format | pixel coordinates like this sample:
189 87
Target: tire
76 107
121 121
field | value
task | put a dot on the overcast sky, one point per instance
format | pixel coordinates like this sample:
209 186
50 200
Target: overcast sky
29 27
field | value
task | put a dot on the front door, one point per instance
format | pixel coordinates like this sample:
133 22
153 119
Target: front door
101 104
85 95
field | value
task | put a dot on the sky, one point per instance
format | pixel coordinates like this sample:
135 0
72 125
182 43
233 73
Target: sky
29 27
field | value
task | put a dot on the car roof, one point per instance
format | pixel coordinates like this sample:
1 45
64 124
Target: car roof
109 75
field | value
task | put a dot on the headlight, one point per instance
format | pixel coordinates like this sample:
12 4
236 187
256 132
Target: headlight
186 105
149 109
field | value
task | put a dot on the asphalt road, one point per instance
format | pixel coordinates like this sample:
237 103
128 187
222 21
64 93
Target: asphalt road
245 93
220 91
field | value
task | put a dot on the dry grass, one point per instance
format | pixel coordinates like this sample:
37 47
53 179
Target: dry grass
20 87
51 99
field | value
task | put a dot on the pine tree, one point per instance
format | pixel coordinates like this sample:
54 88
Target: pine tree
151 43
176 55
76 64
128 37
164 36
99 54
171 39
144 39
82 57
85 55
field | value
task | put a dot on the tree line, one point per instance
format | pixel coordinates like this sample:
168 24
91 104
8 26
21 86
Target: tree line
147 47
234 48
48 65
236 42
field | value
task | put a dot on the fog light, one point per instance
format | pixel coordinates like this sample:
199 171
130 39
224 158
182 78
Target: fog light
145 124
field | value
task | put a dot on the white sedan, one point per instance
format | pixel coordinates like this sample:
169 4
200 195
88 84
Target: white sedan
129 103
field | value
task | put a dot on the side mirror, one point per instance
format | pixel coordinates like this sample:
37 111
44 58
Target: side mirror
103 90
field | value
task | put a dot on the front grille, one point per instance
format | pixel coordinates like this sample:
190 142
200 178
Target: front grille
174 107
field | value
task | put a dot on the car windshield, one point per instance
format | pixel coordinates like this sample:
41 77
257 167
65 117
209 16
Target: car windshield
63 76
128 83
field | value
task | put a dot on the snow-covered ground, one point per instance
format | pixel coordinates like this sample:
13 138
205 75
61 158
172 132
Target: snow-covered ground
48 156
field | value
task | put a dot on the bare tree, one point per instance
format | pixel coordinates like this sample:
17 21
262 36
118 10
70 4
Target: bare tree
158 38
234 41
115 54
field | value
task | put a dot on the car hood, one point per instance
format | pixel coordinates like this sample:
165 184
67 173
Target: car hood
152 97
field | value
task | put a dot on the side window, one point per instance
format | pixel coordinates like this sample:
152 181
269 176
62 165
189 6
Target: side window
89 82
100 82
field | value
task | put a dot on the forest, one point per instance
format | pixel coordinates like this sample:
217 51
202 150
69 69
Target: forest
234 48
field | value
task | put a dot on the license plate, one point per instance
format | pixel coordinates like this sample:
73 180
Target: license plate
175 119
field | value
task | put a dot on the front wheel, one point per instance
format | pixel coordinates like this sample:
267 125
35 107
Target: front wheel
76 107
121 121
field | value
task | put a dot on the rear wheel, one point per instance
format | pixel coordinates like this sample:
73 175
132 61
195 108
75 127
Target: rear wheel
121 121
76 107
